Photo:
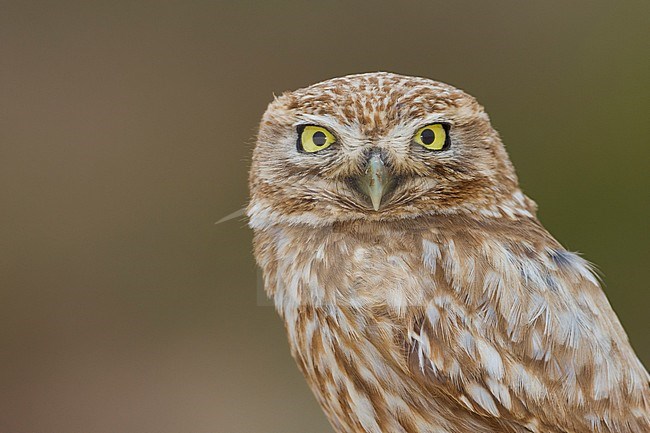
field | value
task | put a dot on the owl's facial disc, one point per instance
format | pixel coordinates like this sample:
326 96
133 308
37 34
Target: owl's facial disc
376 180
377 147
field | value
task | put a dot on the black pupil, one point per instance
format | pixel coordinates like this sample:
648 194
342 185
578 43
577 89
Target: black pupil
427 136
319 138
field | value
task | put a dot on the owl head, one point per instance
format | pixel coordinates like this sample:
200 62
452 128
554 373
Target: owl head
378 146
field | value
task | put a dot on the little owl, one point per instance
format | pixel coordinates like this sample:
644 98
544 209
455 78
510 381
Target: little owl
419 291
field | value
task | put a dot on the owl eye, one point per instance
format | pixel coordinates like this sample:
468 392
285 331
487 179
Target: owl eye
432 137
314 138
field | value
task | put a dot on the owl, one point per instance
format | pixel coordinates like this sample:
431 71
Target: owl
419 291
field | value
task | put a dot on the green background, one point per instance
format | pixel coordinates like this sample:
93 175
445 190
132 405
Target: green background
126 131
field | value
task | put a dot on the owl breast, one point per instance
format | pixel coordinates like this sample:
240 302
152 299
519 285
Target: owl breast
348 317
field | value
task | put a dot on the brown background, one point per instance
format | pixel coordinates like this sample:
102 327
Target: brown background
125 133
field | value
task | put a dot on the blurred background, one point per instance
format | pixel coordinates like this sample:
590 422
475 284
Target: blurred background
126 129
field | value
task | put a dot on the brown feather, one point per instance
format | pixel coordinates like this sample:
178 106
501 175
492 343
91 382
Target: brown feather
451 309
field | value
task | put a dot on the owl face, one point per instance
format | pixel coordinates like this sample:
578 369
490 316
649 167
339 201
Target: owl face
377 146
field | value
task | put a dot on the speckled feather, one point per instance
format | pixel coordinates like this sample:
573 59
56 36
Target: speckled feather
451 309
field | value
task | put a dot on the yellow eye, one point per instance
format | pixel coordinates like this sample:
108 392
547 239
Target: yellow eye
432 137
314 138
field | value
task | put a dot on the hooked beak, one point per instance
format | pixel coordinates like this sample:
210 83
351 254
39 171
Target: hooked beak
376 180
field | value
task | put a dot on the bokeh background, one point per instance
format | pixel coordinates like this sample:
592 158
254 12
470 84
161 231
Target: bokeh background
126 129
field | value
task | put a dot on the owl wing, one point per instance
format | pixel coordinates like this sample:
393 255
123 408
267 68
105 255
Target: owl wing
526 339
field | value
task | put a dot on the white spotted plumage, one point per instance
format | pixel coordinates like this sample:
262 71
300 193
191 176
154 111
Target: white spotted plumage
450 309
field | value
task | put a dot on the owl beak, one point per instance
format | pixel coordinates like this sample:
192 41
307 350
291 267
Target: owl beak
376 180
